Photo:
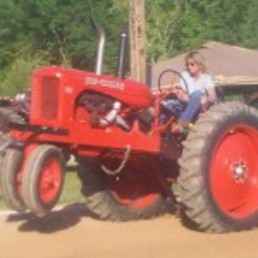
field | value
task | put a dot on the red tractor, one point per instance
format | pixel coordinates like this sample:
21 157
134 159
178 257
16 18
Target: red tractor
128 159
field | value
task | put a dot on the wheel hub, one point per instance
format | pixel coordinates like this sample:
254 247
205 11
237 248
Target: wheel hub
50 181
240 172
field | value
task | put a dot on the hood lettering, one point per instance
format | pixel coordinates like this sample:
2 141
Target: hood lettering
111 84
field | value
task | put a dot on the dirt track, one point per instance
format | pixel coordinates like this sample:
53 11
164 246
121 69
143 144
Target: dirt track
70 233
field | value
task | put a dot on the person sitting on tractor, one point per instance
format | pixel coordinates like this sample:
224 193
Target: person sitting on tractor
195 91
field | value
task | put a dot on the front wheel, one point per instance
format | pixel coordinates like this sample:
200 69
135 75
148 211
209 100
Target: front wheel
218 182
10 178
135 194
43 179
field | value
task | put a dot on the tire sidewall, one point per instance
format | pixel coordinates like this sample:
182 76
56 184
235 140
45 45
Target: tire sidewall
10 163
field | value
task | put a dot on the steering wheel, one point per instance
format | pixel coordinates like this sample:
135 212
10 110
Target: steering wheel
175 75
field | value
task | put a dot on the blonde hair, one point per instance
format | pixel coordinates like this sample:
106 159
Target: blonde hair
198 59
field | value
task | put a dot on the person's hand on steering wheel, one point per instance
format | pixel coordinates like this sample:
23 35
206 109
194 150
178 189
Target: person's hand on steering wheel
180 93
174 88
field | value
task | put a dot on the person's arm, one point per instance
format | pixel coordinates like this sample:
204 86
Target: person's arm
178 89
210 90
211 95
181 93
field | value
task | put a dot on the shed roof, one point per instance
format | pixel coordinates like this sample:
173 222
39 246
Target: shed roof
223 61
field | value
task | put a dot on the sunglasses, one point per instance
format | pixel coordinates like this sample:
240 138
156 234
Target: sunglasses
191 64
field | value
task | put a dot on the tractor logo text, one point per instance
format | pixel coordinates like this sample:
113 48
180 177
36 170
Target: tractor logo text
112 84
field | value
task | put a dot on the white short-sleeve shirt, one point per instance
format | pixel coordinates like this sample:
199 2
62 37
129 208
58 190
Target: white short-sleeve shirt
203 82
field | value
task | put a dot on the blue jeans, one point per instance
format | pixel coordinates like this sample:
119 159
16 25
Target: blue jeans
185 112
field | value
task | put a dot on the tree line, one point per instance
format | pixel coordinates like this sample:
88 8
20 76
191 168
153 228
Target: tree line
42 32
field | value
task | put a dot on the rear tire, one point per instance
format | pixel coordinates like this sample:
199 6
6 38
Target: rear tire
43 179
108 198
11 165
218 182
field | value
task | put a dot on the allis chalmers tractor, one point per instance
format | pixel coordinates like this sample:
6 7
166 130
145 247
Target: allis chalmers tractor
128 158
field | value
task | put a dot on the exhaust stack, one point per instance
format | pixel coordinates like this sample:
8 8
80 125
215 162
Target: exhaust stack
101 50
122 55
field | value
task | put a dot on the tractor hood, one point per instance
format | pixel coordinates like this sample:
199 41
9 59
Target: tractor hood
129 92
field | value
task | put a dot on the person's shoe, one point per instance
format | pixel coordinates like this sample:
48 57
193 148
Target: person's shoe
177 128
181 127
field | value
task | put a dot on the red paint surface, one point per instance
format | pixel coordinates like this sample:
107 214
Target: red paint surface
237 198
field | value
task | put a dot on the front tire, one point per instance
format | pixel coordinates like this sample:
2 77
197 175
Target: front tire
10 178
218 182
43 179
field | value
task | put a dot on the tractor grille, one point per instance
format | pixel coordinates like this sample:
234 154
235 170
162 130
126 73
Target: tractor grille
50 89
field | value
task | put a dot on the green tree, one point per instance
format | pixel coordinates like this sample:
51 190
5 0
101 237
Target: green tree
249 28
60 31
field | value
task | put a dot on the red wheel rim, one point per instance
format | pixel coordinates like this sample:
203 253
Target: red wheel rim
135 188
234 172
50 181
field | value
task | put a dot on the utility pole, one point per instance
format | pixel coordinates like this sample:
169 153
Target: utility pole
137 40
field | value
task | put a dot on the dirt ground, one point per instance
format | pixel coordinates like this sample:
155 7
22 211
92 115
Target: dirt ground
71 233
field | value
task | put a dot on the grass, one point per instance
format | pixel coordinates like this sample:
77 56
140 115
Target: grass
2 204
71 192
